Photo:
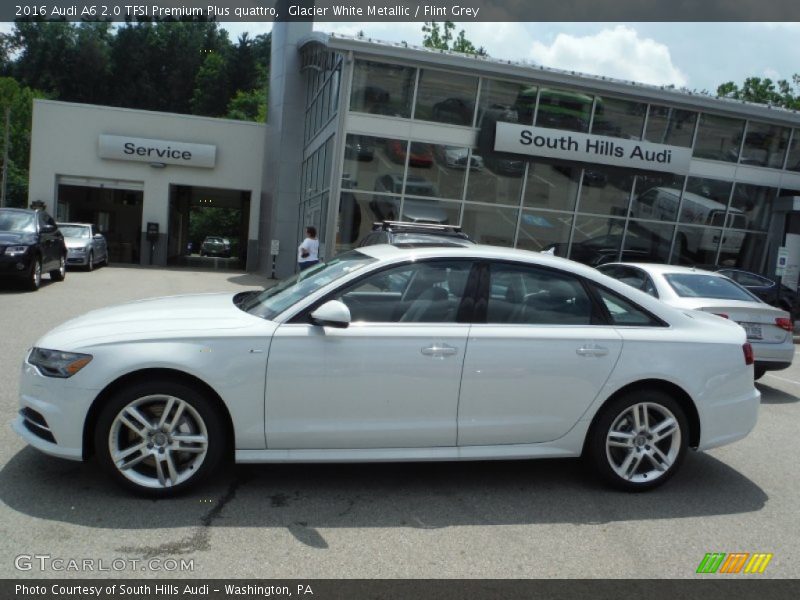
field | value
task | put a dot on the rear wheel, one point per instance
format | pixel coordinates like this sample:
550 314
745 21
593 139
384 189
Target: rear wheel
159 438
639 440
61 272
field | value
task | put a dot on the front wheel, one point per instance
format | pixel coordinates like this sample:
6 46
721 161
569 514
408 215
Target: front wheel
34 281
159 438
639 440
90 262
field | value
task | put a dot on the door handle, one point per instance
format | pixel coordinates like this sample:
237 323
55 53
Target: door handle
439 350
591 351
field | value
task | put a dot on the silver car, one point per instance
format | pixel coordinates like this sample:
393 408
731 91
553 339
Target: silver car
86 247
768 329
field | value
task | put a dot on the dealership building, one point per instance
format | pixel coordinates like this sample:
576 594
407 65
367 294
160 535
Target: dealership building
517 155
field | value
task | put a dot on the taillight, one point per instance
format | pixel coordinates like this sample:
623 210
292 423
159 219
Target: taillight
784 323
748 353
723 315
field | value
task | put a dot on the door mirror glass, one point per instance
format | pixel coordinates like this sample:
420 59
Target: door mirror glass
48 228
333 313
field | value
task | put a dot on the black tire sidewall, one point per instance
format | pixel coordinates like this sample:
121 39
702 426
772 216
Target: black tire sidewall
31 283
596 442
207 410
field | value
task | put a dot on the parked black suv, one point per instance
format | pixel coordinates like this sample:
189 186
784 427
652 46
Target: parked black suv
30 244
420 234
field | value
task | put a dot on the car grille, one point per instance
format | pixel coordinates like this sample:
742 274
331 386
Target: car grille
36 424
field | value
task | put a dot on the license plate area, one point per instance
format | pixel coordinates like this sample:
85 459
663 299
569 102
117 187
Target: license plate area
753 331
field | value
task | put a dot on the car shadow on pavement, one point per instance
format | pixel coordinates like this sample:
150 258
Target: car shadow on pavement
771 395
302 498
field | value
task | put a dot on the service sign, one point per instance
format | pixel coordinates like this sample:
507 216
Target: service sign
583 147
120 147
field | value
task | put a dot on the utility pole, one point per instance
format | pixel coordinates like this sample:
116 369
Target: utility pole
5 158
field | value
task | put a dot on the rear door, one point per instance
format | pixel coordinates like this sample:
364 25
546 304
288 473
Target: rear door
536 361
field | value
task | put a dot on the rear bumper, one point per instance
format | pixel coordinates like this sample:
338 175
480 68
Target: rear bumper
728 420
769 365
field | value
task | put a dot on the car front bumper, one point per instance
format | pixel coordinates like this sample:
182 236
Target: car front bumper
15 266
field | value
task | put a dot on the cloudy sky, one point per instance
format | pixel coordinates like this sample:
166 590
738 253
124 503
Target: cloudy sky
696 55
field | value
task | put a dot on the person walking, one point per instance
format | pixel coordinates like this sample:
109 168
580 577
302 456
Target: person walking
308 250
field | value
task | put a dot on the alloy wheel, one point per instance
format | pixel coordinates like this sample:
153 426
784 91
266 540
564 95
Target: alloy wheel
158 441
643 442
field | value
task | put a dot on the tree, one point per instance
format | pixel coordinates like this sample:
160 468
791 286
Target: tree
442 39
211 89
249 106
763 91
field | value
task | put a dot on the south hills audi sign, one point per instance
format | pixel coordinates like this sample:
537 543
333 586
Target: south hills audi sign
597 149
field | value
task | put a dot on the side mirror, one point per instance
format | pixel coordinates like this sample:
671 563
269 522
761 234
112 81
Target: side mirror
98 236
49 228
333 314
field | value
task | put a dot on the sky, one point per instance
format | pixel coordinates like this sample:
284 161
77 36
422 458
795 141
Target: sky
699 56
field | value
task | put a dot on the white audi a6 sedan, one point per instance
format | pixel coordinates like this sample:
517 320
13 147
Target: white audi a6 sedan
768 329
392 354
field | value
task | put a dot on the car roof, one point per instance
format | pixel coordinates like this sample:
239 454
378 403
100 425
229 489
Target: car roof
74 224
662 269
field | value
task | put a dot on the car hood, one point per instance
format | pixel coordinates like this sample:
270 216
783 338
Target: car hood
173 317
77 242
15 237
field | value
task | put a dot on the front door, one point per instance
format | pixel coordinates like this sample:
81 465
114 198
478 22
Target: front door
389 380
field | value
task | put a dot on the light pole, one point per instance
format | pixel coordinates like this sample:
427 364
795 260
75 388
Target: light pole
5 158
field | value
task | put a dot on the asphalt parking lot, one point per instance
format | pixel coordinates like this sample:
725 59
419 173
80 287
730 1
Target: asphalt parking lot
442 520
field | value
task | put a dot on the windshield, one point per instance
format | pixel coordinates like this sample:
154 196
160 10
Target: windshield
270 303
17 221
74 231
691 285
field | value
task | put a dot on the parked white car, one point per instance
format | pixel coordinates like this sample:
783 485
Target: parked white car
393 354
768 329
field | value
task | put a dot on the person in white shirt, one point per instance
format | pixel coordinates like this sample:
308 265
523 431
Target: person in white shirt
308 250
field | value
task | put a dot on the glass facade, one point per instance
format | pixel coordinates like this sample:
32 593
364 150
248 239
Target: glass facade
588 212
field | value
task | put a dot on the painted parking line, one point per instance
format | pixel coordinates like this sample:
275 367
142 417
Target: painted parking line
783 379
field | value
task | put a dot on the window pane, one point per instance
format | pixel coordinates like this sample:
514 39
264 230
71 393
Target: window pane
597 240
718 138
647 242
446 97
489 224
623 312
667 125
793 162
496 180
696 245
430 211
372 163
765 145
751 207
606 191
552 186
698 285
357 213
382 89
618 118
750 255
539 230
446 176
428 292
705 201
562 109
656 196
529 296
507 101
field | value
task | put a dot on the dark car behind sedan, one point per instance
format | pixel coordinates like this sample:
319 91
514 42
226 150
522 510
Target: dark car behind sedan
30 244
765 288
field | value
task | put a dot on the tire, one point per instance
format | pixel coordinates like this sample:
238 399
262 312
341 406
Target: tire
758 373
34 281
656 460
61 272
90 262
150 459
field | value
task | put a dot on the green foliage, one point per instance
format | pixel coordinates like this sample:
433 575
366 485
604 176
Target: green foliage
438 38
249 106
764 91
20 100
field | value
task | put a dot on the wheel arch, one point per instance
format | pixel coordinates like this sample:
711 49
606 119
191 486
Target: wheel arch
145 375
675 391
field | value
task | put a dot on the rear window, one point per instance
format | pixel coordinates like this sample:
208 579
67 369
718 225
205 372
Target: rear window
697 285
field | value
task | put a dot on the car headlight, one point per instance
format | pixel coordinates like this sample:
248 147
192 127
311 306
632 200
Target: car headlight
80 250
54 363
16 250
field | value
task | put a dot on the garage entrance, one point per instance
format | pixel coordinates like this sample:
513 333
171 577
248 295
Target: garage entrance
114 206
208 227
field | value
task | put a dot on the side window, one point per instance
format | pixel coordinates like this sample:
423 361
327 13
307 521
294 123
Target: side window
42 218
531 296
623 312
427 292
